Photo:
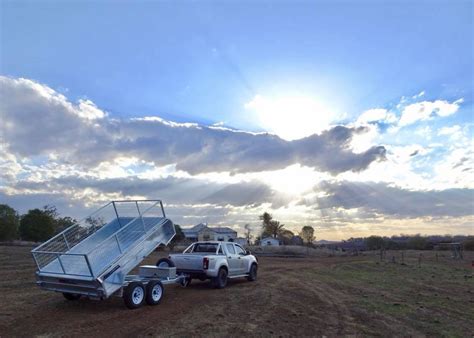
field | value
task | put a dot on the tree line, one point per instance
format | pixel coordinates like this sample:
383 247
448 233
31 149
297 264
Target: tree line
273 228
39 225
407 242
36 225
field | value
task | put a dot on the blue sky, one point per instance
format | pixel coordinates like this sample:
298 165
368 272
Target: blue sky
290 68
202 62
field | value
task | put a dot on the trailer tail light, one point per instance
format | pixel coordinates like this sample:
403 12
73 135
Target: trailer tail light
205 263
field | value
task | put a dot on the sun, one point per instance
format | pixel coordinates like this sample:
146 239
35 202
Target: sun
291 117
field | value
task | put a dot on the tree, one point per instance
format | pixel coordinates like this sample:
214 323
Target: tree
374 242
37 225
468 244
63 223
266 218
286 236
418 243
248 233
270 226
276 228
8 222
307 233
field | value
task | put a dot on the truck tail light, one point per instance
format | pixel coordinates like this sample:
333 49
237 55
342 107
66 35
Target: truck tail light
205 263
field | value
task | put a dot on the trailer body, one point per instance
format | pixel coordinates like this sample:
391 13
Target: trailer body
94 256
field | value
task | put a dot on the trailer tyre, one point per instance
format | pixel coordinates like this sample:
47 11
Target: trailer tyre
220 281
252 273
154 292
71 296
134 295
165 263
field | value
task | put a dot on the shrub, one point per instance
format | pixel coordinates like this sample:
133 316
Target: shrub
8 223
37 225
468 244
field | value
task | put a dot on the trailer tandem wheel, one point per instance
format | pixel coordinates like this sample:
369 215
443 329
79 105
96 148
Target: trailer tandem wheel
154 292
134 295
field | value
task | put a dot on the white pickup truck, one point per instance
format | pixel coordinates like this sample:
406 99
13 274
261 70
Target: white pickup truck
216 261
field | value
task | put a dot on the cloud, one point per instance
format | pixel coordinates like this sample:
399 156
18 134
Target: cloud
425 110
379 115
173 190
382 199
38 121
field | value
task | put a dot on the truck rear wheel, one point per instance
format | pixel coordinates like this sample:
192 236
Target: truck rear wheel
220 281
154 292
134 295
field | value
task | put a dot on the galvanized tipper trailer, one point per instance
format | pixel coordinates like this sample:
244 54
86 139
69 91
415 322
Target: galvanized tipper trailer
93 257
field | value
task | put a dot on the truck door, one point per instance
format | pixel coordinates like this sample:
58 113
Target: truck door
232 259
242 258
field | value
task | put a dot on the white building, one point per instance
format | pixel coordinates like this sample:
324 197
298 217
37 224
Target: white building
203 232
269 241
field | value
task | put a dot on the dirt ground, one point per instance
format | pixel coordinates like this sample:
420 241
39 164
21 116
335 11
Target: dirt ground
331 296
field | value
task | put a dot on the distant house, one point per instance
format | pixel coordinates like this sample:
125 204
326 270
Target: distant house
203 232
269 241
296 240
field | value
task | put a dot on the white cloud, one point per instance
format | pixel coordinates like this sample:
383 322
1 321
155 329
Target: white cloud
454 132
420 94
425 110
88 110
376 115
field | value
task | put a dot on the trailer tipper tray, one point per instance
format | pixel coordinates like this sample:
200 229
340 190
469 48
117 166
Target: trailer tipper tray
93 257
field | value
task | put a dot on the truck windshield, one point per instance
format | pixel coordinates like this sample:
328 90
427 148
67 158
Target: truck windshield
203 247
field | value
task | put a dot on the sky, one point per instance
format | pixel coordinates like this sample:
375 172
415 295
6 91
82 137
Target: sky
354 117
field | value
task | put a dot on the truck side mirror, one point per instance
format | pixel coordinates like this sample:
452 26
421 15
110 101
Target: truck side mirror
248 252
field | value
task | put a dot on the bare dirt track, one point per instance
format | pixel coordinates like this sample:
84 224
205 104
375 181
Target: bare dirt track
330 296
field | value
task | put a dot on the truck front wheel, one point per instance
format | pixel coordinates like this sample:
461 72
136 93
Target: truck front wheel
220 281
252 273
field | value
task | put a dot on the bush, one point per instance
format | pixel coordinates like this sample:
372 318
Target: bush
8 223
418 243
468 244
37 225
374 242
